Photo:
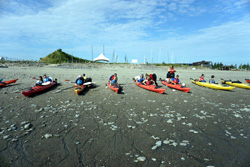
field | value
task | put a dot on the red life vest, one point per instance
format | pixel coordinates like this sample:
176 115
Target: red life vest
149 83
175 80
201 79
112 77
151 76
172 71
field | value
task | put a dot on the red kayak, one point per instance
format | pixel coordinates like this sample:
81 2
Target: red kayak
114 88
38 89
175 86
150 87
248 80
3 83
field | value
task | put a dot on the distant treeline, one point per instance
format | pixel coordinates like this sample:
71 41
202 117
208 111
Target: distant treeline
221 66
244 66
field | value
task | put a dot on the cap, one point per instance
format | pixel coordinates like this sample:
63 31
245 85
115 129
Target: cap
79 76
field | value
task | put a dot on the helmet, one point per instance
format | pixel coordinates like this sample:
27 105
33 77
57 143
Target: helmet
183 85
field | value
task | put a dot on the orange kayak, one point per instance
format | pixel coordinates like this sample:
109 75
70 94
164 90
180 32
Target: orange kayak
248 80
38 89
3 83
114 88
150 87
176 86
79 89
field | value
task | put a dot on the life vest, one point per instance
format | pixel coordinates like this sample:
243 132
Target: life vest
175 80
151 76
149 82
201 79
79 82
39 82
112 77
212 81
172 71
47 79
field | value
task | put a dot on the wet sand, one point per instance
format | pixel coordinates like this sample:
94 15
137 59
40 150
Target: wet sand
138 128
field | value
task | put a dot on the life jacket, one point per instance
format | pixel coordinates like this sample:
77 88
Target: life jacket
79 81
175 80
212 81
47 79
39 82
112 77
149 82
172 71
151 76
201 79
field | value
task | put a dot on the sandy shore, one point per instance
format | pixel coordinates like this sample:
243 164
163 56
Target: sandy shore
138 128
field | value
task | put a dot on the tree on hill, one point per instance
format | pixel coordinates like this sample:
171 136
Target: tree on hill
59 56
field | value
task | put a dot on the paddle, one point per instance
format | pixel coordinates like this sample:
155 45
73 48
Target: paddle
34 78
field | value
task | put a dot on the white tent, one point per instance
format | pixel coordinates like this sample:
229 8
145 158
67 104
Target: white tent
101 57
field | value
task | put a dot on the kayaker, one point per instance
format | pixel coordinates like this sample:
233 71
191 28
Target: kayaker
176 80
201 79
212 81
170 73
79 81
1 81
148 81
47 79
140 78
113 79
40 81
86 79
153 78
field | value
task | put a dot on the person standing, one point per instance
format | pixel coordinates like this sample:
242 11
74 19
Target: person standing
170 73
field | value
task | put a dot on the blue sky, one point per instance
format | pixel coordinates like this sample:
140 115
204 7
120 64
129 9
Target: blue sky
173 31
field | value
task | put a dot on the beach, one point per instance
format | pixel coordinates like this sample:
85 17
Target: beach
205 127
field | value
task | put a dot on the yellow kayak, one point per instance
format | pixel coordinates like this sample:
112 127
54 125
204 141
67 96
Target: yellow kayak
236 84
212 86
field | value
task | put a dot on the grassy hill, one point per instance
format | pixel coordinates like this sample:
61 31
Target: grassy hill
59 56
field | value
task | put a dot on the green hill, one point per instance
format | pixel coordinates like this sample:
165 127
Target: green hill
59 56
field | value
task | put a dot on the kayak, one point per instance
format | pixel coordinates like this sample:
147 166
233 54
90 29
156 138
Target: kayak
114 88
38 89
150 87
212 86
248 80
176 86
79 89
3 83
236 84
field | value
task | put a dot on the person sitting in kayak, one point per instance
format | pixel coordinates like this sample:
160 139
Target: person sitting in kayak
170 73
140 78
153 78
2 82
176 80
113 79
86 79
47 79
148 81
79 81
201 79
212 81
40 81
